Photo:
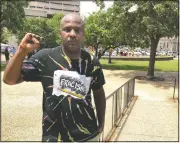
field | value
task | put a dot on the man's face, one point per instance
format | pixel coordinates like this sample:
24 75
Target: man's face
72 34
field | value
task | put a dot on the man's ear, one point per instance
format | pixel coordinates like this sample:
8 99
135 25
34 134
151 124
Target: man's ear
60 33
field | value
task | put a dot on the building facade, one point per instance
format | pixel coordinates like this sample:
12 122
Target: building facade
168 44
47 9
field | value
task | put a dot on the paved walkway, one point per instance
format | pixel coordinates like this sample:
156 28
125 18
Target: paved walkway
154 116
154 112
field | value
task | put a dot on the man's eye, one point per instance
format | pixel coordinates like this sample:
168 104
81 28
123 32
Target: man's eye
77 30
67 29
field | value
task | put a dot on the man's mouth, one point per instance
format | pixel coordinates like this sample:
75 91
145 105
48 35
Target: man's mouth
72 42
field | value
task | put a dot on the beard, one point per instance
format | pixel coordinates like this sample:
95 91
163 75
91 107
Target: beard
72 47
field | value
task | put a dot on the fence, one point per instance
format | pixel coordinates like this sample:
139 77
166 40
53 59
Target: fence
117 102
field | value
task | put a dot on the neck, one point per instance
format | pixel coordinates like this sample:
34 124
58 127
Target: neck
72 55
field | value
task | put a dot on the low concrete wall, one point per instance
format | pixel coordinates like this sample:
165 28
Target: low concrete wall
137 58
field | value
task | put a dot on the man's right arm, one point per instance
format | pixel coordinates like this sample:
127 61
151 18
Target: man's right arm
12 73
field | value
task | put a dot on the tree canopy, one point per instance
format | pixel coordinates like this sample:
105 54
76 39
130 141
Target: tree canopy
46 28
12 14
142 26
149 22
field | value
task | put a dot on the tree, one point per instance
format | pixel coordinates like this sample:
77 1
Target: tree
12 14
48 29
40 27
100 3
5 35
100 32
147 24
54 22
93 31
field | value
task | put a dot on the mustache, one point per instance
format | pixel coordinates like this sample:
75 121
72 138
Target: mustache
72 41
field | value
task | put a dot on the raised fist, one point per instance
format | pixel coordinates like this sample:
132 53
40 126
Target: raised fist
30 42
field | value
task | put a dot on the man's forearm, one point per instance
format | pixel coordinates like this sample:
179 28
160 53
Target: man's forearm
100 102
13 69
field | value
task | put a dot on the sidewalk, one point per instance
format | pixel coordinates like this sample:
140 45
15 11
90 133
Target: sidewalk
154 116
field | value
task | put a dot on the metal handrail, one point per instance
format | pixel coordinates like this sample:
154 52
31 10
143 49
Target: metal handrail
119 88
126 101
118 99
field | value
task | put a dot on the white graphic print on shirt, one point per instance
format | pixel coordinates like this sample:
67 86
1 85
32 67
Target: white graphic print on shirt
70 83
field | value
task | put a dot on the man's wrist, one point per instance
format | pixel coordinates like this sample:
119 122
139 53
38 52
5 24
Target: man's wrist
22 50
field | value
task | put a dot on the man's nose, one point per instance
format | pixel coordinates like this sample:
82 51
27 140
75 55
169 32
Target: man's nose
72 33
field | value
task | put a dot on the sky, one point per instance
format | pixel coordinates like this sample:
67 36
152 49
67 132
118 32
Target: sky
88 7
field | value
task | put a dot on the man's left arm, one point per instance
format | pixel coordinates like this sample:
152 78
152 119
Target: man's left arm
100 103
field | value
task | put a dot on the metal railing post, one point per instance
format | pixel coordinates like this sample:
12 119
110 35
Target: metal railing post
112 110
121 97
174 87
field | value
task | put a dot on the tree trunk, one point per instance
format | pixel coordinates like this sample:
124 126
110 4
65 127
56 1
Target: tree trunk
99 57
96 51
110 54
154 43
109 61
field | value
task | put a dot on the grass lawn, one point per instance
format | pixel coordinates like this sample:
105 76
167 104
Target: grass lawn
171 65
3 67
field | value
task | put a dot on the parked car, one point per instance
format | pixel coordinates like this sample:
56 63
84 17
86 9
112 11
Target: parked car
162 53
148 53
106 54
3 47
175 54
137 53
169 53
114 53
143 52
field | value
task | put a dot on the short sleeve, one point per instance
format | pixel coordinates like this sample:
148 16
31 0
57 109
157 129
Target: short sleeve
32 69
98 77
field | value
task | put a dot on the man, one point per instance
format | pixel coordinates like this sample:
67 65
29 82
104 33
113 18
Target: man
12 51
6 53
67 74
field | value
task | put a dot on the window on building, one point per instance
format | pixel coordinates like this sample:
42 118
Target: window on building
39 7
53 2
68 10
42 1
56 9
68 4
49 15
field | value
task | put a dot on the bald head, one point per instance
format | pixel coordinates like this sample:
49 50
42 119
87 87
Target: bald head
72 32
72 17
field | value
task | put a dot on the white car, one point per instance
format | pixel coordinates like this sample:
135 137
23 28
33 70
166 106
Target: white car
137 53
169 53
162 53
106 54
114 53
3 47
148 53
